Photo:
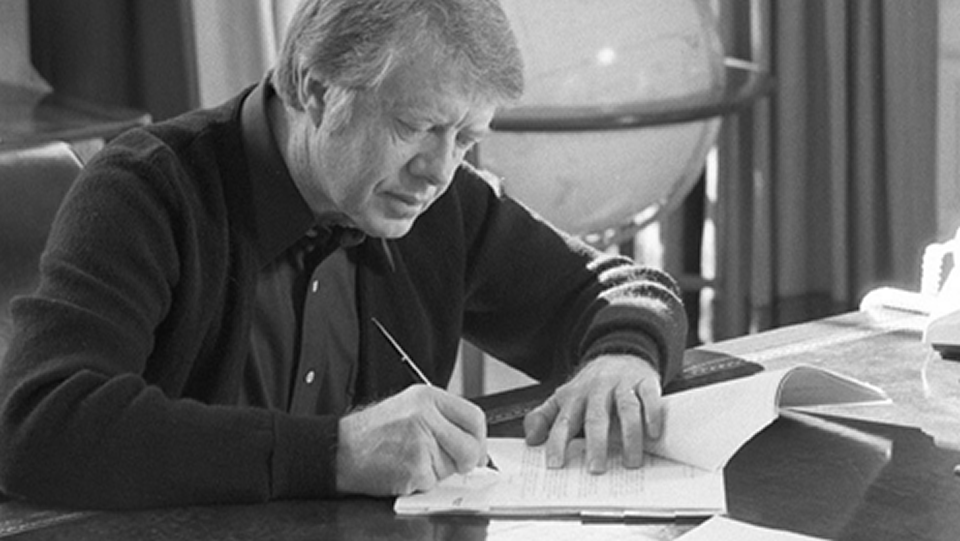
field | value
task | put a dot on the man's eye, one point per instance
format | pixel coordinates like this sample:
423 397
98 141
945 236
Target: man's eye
407 129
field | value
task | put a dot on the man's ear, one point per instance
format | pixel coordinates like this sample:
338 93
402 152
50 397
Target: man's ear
310 93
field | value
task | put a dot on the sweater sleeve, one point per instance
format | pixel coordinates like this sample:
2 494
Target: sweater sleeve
118 389
638 313
546 302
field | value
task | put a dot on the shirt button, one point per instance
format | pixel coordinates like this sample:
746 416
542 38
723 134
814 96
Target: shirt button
309 377
315 285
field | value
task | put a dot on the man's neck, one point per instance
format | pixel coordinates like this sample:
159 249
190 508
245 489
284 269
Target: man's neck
282 123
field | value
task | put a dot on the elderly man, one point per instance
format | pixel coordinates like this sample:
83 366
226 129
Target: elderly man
203 329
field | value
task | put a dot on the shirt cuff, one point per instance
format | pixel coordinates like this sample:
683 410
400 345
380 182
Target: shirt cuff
304 462
625 343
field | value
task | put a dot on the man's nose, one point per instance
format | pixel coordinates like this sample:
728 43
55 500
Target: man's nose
436 161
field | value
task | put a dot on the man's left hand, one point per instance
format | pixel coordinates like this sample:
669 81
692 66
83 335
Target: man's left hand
609 392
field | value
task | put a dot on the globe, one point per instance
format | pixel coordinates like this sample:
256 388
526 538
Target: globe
607 56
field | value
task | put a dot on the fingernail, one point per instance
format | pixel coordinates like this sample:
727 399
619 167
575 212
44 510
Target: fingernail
554 462
598 466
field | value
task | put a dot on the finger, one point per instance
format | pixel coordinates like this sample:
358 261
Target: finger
444 465
631 425
462 413
459 428
433 466
651 401
417 475
537 422
462 449
597 429
566 425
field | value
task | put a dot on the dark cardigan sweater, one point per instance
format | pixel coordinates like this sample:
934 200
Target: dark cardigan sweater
120 388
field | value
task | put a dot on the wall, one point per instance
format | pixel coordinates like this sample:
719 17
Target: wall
948 115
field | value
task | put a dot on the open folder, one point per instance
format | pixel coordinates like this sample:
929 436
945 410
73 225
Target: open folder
683 471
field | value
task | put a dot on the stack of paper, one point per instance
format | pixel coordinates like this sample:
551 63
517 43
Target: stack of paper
683 471
524 486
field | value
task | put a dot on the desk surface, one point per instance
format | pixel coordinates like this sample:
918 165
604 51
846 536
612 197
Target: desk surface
877 473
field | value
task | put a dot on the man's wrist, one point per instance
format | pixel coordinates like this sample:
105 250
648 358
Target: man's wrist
625 343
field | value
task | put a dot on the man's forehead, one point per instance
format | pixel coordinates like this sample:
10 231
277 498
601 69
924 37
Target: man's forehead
425 87
442 109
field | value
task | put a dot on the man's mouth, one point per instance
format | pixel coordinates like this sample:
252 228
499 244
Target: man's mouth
406 205
408 200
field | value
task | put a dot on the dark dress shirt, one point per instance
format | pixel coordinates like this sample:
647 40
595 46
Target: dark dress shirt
305 334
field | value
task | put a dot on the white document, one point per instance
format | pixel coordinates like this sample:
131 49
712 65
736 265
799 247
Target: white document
726 529
705 426
527 529
525 486
682 474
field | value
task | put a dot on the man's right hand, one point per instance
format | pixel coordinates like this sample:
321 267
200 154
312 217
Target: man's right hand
409 442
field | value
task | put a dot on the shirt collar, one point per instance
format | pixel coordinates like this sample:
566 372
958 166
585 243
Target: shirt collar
280 215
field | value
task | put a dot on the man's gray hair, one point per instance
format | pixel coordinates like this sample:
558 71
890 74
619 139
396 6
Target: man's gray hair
353 44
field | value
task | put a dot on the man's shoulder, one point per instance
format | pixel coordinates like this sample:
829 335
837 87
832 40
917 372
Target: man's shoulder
199 144
211 131
470 177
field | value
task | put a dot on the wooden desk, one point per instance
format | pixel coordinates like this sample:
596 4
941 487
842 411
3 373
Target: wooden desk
876 476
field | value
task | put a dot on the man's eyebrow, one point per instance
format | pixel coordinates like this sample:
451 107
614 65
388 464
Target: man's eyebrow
417 114
434 119
428 113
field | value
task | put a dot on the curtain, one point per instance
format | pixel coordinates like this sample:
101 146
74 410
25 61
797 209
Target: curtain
128 54
160 57
143 56
843 186
235 42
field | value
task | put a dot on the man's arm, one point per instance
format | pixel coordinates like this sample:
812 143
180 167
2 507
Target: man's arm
109 392
552 306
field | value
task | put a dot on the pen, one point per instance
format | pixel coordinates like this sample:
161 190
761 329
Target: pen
405 359
403 354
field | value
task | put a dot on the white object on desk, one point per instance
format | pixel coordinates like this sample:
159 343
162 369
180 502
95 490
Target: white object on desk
563 530
699 433
897 299
726 529
938 298
943 329
943 334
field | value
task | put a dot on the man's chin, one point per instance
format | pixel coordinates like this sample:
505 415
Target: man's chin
391 229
